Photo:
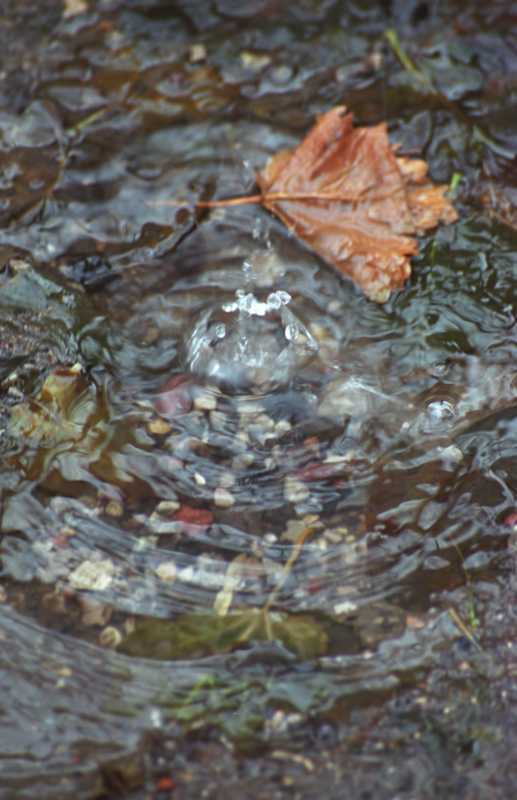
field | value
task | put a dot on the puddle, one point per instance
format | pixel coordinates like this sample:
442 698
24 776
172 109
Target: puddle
236 496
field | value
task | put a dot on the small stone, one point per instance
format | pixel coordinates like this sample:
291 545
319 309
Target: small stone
199 479
205 402
295 491
93 575
345 607
166 508
167 571
282 426
159 526
66 532
337 458
451 454
73 7
335 307
110 637
197 53
265 421
114 509
255 61
159 426
223 498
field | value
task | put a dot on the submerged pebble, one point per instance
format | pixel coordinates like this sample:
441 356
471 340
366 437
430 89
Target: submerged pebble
205 402
223 498
167 571
295 491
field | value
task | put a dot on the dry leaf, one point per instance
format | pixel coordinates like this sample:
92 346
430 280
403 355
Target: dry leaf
345 193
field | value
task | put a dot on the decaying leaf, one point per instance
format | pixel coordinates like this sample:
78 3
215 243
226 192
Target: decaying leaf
345 192
195 635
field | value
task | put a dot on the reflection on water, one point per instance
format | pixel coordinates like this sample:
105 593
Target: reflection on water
224 460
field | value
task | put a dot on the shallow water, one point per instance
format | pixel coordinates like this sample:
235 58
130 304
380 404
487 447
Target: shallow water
232 488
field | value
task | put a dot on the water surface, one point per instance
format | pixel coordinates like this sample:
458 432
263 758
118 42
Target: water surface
236 495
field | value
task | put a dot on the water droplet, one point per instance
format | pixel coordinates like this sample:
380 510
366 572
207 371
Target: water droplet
439 416
278 299
291 332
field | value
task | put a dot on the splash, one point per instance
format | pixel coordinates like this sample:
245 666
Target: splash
250 344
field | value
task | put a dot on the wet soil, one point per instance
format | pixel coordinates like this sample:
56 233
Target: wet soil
258 534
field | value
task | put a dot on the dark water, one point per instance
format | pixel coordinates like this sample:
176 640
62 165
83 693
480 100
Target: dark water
237 496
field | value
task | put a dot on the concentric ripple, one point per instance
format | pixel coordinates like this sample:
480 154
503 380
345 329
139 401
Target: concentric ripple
258 453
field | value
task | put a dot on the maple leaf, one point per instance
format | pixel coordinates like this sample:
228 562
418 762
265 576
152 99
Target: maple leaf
346 193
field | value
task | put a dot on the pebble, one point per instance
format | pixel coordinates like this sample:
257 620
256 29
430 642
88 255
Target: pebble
114 508
335 307
199 479
255 61
197 53
223 498
167 507
345 607
167 571
159 426
265 421
205 402
282 426
94 575
110 637
338 458
294 490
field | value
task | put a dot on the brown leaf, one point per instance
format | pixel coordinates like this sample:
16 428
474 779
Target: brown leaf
346 194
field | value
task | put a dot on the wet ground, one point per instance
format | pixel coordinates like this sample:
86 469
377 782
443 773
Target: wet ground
258 533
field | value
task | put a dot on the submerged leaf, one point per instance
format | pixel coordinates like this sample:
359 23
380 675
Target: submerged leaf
198 635
345 193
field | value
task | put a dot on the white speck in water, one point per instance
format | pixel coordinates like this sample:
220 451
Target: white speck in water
156 717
